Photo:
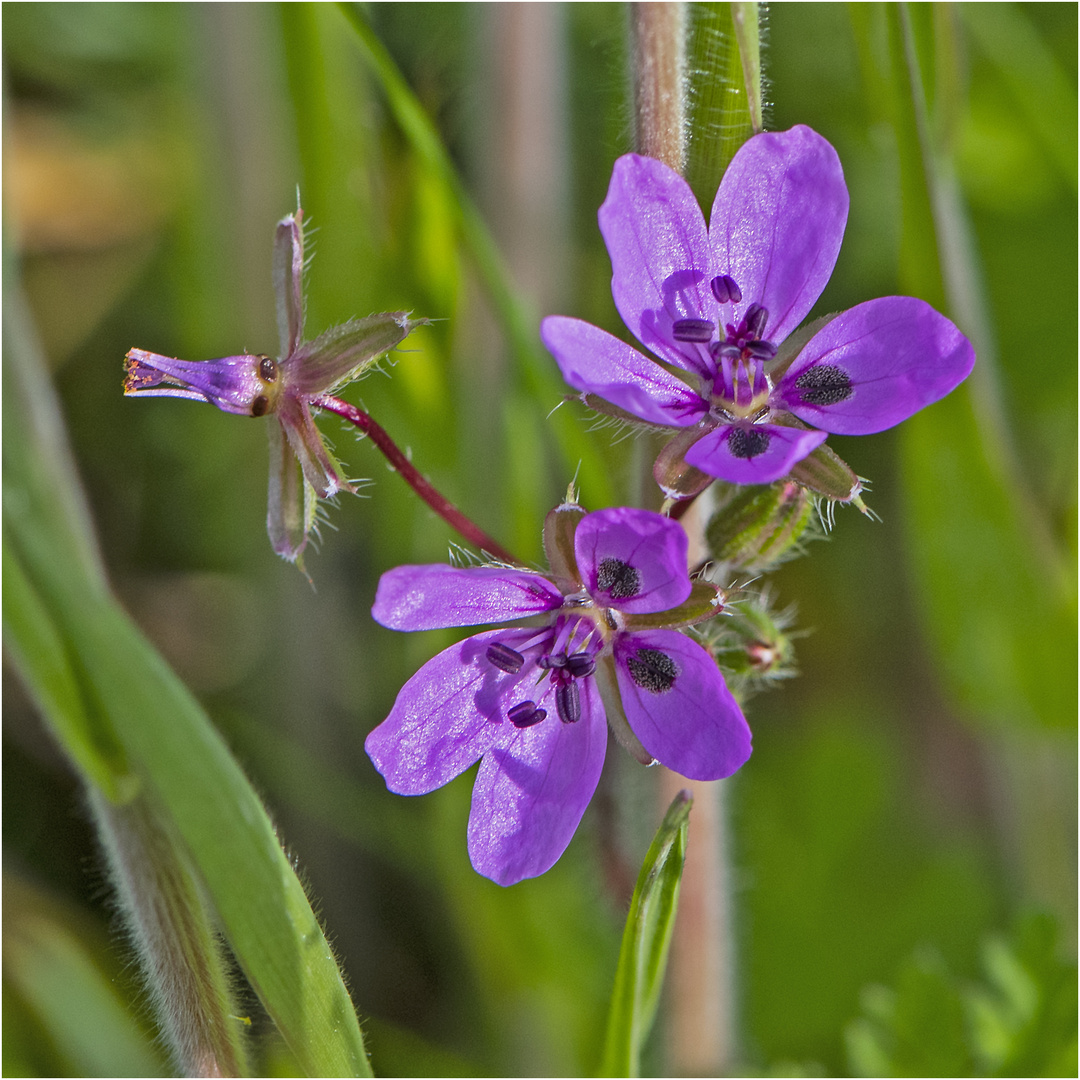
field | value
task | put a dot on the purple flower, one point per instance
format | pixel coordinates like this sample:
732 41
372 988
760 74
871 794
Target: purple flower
716 305
529 700
287 387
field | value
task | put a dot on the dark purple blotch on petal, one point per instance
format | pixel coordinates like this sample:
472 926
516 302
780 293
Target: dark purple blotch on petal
747 442
618 579
824 384
652 670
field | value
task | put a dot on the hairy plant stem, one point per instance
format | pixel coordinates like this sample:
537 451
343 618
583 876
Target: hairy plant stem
170 928
700 999
438 502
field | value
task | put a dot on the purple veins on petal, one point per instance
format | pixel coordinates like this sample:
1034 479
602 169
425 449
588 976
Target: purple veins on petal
435 597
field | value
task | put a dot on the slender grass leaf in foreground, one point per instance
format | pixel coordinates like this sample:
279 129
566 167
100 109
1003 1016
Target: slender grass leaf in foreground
204 803
643 957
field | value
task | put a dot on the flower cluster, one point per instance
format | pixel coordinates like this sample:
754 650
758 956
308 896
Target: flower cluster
599 641
529 699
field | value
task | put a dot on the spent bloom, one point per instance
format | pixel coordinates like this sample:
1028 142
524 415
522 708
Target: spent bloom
719 306
528 700
302 468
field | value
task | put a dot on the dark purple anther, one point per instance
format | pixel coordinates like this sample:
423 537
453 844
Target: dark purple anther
505 658
762 350
693 330
725 290
552 660
580 665
755 319
732 352
568 703
525 714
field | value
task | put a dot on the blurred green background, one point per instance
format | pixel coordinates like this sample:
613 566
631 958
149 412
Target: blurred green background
911 795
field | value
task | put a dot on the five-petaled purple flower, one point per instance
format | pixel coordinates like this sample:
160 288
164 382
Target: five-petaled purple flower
716 305
288 388
530 699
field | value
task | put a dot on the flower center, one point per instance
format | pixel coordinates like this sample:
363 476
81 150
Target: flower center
735 385
563 654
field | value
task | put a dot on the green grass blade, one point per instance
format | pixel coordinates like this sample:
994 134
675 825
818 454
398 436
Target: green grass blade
643 956
115 676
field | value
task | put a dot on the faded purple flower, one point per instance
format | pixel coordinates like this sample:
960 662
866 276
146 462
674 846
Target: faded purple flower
287 387
716 305
529 700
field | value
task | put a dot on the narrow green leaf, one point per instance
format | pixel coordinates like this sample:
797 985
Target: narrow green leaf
168 742
724 62
643 956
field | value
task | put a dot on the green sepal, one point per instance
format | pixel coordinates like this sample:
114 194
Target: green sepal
343 352
823 471
705 601
598 404
646 939
677 479
754 528
560 525
607 682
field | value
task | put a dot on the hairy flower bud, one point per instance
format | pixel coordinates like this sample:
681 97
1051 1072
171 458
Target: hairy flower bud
754 528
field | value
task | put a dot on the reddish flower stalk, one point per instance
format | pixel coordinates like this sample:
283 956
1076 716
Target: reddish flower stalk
438 502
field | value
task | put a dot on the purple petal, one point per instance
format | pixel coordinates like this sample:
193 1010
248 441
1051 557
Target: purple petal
875 365
289 281
679 706
321 471
777 223
660 261
752 453
446 716
532 788
437 596
595 362
235 384
290 511
633 560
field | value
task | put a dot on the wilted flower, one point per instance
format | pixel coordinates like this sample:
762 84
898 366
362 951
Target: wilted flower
716 306
530 699
286 388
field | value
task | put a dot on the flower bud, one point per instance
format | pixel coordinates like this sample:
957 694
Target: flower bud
755 528
754 647
826 473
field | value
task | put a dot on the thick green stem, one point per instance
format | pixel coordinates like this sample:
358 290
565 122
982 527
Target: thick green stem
182 963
